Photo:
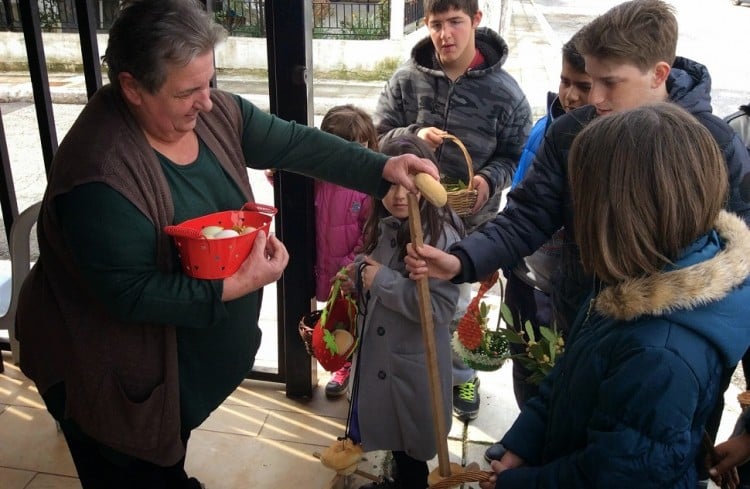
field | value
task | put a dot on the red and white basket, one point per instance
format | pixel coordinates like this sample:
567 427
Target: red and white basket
218 258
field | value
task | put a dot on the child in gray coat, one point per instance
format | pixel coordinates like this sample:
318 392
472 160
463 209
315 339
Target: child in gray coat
391 407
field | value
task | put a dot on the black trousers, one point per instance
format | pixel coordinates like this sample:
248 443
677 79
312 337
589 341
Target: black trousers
101 467
410 472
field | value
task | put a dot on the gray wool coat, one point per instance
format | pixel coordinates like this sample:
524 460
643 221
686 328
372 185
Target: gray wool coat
391 384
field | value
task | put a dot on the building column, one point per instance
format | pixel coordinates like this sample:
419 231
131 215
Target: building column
397 18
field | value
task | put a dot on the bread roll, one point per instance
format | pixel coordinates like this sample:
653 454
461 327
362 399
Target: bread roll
431 189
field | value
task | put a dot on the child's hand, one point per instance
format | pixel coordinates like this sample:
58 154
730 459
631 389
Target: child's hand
347 277
432 136
369 269
483 193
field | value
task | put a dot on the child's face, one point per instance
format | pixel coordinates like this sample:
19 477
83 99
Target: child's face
452 34
617 86
396 202
574 87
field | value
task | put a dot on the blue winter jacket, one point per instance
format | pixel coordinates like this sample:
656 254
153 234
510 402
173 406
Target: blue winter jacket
536 136
626 404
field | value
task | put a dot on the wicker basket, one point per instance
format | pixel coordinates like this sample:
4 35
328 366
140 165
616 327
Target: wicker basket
305 328
462 201
492 350
340 312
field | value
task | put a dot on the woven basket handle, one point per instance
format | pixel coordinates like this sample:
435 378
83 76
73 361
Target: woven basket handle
488 282
335 291
467 157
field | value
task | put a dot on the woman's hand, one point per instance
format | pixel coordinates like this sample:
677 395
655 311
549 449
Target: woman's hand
401 170
509 461
265 264
428 261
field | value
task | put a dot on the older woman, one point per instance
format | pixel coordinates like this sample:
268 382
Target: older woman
129 353
648 355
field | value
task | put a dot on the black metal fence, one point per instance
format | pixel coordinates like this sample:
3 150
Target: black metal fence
246 18
332 19
413 15
58 15
351 20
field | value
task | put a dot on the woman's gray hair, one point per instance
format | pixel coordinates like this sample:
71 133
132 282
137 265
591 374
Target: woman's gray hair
150 35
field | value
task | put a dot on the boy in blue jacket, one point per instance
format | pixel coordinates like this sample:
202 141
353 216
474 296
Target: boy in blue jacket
528 286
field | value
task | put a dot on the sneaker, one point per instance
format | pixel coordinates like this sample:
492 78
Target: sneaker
466 400
336 387
494 452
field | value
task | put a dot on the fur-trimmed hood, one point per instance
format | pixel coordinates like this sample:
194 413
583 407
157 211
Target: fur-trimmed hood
688 287
703 292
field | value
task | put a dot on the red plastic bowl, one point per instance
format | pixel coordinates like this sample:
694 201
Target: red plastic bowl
209 258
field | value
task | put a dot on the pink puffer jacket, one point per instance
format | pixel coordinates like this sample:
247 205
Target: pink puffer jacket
340 216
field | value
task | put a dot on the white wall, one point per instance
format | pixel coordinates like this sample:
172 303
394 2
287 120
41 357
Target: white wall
235 53
328 54
250 53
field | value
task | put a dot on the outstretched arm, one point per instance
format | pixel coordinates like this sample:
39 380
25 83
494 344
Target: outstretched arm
732 453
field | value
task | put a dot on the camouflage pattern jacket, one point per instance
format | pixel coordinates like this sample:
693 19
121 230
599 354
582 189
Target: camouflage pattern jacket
485 108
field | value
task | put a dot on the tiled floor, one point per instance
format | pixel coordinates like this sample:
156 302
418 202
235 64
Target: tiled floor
258 438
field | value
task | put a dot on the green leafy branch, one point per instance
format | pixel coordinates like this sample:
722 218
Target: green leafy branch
541 353
454 185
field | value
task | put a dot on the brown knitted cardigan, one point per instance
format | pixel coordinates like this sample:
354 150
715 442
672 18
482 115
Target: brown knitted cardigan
121 379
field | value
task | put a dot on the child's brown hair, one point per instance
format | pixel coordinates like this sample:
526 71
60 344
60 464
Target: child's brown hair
469 7
571 55
645 183
638 32
434 219
351 123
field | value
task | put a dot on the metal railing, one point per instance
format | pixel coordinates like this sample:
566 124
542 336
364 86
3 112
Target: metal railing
245 18
351 20
332 19
362 19
58 15
413 15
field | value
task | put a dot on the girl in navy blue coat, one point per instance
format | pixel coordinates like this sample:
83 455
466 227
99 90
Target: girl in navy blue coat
666 324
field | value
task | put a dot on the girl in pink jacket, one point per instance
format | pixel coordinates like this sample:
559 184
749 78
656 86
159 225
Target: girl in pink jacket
340 215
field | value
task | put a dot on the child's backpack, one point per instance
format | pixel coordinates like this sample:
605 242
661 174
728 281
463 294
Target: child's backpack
740 122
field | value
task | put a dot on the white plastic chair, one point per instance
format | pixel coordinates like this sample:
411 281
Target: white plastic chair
20 264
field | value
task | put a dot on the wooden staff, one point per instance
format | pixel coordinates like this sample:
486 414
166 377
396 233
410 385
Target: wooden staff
425 314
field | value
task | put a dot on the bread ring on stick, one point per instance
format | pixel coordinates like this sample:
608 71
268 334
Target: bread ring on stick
343 456
431 189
